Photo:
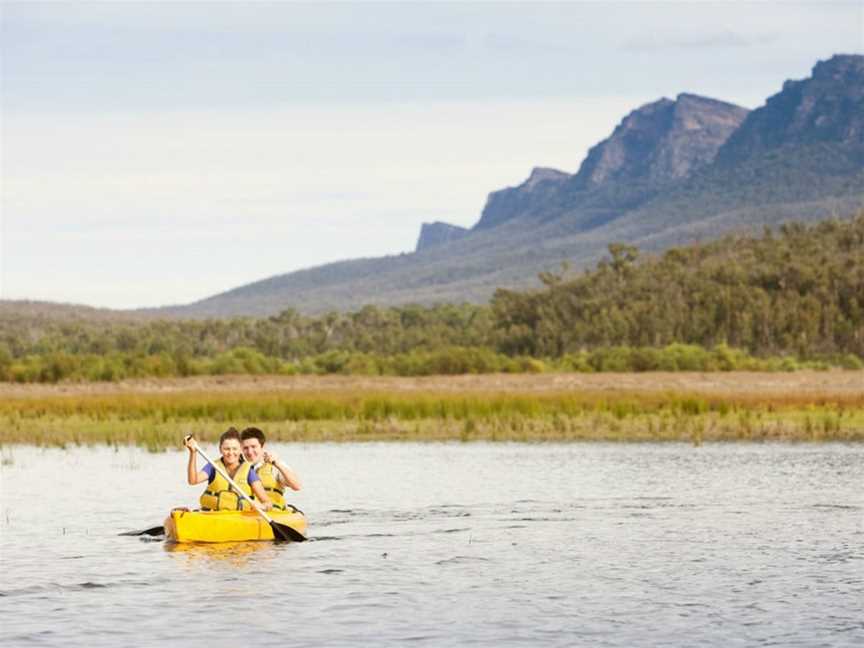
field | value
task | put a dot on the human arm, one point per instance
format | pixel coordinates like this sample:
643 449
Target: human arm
286 475
261 495
193 475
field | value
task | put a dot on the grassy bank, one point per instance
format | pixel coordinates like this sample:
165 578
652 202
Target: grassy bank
511 411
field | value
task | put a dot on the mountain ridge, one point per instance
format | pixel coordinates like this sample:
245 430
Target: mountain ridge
671 172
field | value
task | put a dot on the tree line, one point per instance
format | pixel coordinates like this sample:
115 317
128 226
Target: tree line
778 301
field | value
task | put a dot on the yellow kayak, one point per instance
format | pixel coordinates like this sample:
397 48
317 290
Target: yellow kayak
227 526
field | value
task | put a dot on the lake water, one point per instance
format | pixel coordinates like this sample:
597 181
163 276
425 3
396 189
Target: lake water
458 544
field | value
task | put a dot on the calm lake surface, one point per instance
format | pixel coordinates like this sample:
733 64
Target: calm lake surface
486 544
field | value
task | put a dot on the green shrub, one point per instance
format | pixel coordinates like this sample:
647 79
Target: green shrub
578 362
610 359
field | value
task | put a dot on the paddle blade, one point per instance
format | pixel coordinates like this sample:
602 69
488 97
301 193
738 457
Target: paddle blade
284 533
152 531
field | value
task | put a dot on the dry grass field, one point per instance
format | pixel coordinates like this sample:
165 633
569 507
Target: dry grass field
798 384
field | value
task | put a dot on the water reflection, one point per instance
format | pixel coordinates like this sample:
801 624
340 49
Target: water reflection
239 554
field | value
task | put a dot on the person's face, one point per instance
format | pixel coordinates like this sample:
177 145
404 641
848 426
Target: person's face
252 450
230 450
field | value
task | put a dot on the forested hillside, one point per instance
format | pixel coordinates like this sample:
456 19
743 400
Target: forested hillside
796 293
799 290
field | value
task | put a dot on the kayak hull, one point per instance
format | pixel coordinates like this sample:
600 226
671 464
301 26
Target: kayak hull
227 526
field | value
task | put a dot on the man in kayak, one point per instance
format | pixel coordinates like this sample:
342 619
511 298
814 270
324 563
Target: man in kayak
220 495
274 473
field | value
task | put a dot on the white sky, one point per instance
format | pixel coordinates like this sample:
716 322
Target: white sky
160 153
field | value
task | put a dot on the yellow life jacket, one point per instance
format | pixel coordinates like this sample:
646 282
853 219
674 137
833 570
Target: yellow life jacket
270 481
221 496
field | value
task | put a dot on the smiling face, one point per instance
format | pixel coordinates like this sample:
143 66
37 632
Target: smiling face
252 450
230 449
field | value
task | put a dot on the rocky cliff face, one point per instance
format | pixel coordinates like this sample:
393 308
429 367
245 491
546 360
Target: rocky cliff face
818 122
827 108
532 195
662 141
438 233
700 126
656 144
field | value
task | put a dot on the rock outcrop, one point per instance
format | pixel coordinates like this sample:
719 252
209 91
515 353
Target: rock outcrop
661 141
532 195
438 233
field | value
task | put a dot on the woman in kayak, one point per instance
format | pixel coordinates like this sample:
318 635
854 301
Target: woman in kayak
219 495
274 473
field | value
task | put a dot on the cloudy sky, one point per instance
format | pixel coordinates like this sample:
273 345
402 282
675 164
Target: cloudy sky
158 153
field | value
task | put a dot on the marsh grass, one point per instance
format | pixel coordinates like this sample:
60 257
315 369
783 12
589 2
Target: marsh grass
159 421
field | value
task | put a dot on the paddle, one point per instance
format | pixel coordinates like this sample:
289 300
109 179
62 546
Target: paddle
152 531
281 532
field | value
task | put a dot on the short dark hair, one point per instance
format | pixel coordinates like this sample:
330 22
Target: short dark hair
230 433
253 433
